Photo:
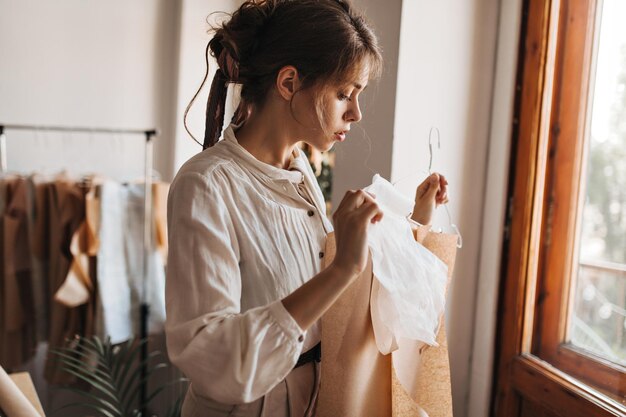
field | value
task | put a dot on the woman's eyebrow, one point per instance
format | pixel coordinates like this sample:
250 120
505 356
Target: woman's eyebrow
359 86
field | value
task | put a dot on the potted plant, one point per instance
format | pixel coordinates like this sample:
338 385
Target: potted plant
112 376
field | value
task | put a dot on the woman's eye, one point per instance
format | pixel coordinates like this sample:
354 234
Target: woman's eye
343 96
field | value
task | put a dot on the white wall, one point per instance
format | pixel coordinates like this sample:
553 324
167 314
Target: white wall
191 69
368 149
481 371
87 63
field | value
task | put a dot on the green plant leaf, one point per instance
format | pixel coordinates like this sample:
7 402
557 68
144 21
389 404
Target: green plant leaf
121 356
111 394
113 374
82 351
88 377
131 382
90 342
86 405
113 408
98 347
160 389
135 390
69 360
176 408
130 360
136 373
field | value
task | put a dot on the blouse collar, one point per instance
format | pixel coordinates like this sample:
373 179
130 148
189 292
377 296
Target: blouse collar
294 173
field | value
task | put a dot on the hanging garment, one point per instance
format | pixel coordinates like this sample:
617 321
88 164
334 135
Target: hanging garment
38 265
18 338
357 380
356 377
41 252
120 269
421 384
159 203
67 213
411 282
79 285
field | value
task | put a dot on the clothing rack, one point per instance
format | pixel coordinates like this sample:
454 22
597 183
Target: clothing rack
147 229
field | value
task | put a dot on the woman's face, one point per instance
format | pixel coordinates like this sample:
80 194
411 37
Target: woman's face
341 109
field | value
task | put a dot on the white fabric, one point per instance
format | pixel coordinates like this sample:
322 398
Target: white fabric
241 238
411 295
120 264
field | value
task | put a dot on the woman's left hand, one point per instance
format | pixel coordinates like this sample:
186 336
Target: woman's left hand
429 194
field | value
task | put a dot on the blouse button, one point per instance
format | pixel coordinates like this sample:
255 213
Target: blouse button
310 213
321 255
300 338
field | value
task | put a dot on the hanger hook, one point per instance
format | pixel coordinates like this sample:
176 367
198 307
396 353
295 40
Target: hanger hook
430 147
459 243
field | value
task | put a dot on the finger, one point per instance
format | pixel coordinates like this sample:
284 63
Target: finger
359 199
434 188
364 197
443 200
347 200
370 212
426 185
443 184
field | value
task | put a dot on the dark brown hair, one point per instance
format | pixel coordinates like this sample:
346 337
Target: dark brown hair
325 40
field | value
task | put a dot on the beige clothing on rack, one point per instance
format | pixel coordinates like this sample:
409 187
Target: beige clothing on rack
242 237
66 206
159 204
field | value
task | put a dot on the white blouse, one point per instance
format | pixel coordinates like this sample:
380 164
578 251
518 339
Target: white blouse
242 236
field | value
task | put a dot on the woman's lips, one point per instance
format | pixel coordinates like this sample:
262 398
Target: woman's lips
340 136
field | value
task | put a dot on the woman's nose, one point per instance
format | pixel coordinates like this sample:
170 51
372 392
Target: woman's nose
354 112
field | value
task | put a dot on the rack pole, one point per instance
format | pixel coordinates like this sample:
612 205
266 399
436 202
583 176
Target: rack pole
3 150
147 245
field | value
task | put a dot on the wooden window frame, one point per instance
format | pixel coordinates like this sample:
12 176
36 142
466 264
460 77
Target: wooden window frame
540 240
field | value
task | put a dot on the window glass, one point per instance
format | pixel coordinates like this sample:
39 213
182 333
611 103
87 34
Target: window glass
598 318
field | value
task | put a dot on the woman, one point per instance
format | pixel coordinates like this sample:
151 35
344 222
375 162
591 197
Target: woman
247 222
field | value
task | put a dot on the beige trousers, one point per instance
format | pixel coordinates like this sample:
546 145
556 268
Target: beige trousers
295 396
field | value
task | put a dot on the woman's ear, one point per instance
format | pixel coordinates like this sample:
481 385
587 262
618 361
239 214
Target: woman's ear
287 82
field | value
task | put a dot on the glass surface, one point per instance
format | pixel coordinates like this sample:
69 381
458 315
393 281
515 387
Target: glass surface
598 320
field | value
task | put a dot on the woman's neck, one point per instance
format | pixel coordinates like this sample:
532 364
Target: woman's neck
267 137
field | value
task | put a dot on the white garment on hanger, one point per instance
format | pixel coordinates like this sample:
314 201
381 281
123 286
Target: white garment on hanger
120 264
411 295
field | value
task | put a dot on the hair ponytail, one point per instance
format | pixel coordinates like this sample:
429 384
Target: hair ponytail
228 72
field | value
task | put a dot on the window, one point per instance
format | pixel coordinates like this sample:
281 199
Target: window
563 294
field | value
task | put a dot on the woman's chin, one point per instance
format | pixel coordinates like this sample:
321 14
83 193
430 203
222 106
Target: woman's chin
328 146
323 146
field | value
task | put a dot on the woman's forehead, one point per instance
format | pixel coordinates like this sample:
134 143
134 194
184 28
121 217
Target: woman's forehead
357 77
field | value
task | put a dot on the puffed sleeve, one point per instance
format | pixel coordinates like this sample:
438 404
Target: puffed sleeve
229 356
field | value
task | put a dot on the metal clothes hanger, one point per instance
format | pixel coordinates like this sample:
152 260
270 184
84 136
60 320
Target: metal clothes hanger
459 243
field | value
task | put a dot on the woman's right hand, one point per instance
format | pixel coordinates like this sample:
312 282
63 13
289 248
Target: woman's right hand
351 220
